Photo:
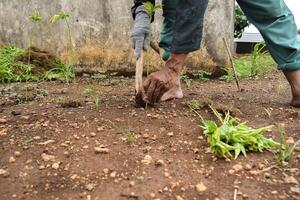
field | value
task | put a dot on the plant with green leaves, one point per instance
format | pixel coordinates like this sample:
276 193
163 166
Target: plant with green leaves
151 8
12 70
65 70
35 16
298 31
65 17
257 64
286 151
232 136
241 22
97 102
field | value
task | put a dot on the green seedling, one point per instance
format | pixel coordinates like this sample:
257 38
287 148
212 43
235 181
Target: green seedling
286 151
130 136
89 91
64 16
151 8
194 105
97 102
269 112
35 16
232 136
125 132
63 71
201 75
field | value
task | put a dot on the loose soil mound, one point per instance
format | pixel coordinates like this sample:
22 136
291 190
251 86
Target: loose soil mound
41 61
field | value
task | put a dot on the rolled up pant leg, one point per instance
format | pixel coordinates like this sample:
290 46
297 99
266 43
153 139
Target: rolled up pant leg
188 25
166 34
276 24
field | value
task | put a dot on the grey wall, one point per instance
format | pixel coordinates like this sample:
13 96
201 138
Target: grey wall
100 21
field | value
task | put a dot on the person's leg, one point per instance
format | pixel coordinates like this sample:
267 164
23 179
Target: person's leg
166 34
277 26
187 34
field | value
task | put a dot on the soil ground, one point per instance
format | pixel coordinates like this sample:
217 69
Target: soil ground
57 143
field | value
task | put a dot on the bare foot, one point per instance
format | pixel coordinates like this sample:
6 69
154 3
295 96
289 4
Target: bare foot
293 78
173 93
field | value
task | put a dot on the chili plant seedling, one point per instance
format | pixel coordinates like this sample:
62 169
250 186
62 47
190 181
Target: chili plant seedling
286 151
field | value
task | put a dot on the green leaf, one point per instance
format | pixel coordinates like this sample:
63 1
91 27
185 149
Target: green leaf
35 16
59 16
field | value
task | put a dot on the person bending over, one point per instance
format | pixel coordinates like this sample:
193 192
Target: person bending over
182 33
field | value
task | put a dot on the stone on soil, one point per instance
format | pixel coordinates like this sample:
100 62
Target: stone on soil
46 157
101 150
200 187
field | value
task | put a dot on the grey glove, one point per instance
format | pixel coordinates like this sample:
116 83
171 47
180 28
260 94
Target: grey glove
141 33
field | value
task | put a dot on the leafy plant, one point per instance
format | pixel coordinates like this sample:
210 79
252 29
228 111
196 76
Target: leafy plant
255 65
240 23
232 136
97 102
12 70
35 16
63 71
130 136
201 75
286 151
89 91
65 17
298 31
151 8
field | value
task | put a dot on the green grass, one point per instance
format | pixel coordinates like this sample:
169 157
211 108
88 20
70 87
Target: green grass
17 71
12 70
255 65
286 151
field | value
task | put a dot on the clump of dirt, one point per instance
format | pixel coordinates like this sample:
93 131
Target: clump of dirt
70 103
205 103
40 60
18 93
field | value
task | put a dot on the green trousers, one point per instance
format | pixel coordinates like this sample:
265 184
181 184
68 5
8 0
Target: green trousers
166 34
272 18
276 24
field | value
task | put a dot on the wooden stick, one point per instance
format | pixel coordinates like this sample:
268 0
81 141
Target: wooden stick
139 74
232 64
140 98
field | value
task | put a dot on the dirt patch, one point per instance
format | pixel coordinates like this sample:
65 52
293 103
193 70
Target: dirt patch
119 152
40 60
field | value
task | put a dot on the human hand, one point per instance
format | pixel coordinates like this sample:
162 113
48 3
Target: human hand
141 33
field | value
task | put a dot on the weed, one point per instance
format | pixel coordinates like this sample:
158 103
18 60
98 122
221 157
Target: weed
151 8
255 65
201 75
232 136
96 102
130 136
63 71
65 17
269 112
90 91
127 133
286 151
185 79
12 70
194 105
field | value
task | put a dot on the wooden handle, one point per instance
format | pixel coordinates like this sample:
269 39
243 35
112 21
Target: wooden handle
139 74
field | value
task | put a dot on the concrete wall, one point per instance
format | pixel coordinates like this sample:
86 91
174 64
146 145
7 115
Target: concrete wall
100 21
